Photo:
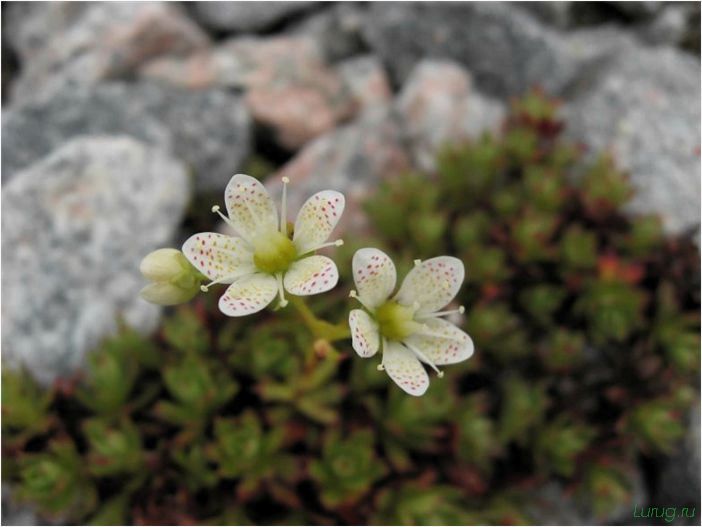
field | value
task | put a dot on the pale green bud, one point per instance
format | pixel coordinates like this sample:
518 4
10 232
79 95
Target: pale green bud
175 280
163 265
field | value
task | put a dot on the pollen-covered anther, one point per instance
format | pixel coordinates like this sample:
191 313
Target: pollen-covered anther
339 243
215 208
204 288
440 374
417 262
380 367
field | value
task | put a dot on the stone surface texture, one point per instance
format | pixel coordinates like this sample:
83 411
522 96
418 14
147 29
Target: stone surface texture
209 130
74 228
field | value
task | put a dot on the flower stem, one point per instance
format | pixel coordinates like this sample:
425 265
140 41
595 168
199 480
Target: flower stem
321 329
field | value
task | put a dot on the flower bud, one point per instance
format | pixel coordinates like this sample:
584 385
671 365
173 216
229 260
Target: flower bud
162 265
175 280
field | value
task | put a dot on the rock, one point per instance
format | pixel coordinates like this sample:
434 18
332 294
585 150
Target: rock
105 40
635 10
642 104
671 25
507 50
288 87
553 504
439 105
352 159
210 130
246 16
366 81
74 228
336 30
679 480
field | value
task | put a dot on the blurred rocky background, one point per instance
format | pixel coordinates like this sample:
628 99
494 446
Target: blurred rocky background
117 116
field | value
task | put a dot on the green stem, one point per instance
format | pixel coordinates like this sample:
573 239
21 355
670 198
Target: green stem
321 329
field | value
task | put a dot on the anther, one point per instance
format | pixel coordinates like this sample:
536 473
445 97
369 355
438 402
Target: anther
417 262
204 288
440 374
286 180
339 243
461 309
215 208
380 367
353 293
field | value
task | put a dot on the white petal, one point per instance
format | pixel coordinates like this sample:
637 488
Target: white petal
404 368
250 207
218 256
249 294
454 345
317 219
311 275
375 276
433 283
365 338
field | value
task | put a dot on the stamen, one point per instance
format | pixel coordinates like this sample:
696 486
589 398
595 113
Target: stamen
336 243
204 288
380 367
284 209
458 311
425 359
417 262
354 294
281 290
215 209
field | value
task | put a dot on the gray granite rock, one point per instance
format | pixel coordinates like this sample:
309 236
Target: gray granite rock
62 46
679 480
351 159
74 227
210 129
288 87
504 47
643 106
367 82
554 504
439 105
337 29
246 17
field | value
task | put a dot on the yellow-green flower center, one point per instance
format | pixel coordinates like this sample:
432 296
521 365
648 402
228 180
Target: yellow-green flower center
273 253
395 321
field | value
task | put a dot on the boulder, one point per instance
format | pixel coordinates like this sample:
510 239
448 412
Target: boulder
337 30
246 17
506 49
209 129
288 87
366 81
89 43
642 105
439 105
75 226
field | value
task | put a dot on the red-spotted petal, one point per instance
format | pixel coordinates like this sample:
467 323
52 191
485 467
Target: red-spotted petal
365 338
404 368
250 207
447 344
311 275
219 257
375 276
248 295
433 283
317 219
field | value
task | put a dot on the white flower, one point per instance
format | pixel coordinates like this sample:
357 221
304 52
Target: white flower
263 261
407 325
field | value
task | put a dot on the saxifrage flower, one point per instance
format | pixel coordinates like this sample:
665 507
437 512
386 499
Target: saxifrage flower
264 260
408 325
